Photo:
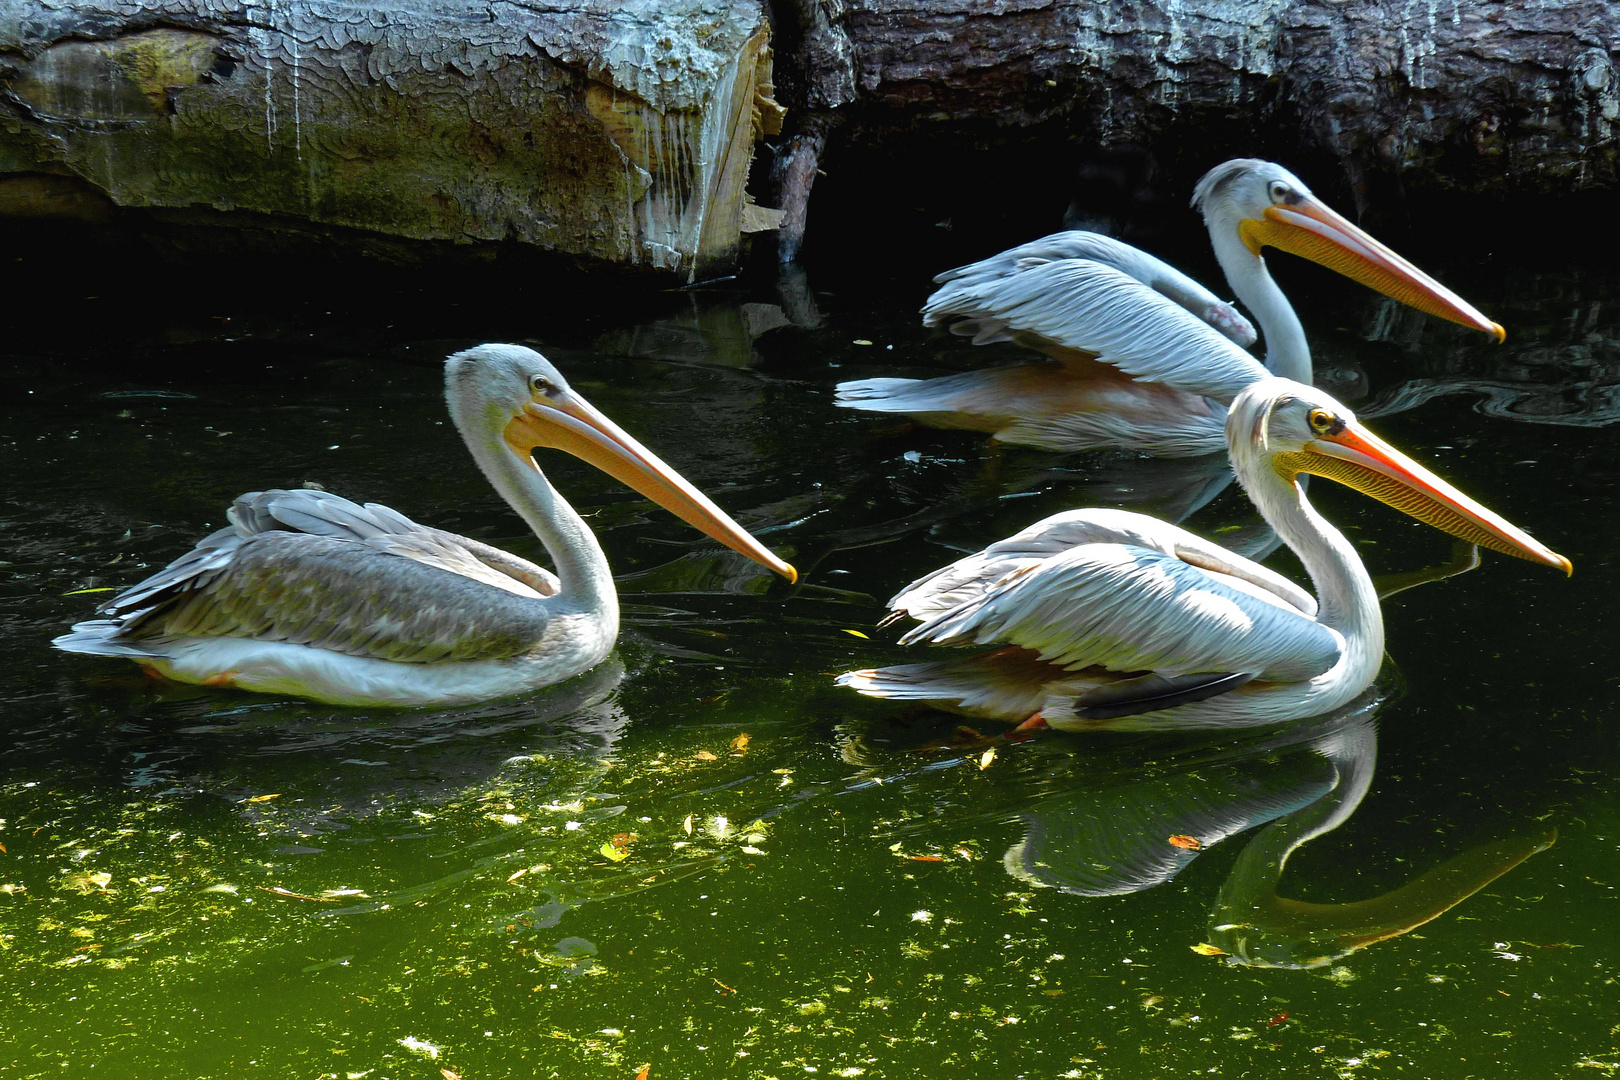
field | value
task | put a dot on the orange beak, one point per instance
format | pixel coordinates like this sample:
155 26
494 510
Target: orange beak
1316 232
570 423
1356 457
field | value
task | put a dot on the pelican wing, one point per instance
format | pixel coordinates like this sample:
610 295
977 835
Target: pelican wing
967 283
320 513
970 578
313 569
1125 607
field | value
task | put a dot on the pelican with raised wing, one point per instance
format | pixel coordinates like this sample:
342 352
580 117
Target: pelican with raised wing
1148 359
1109 619
310 594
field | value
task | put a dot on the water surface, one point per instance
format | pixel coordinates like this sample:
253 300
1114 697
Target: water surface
704 856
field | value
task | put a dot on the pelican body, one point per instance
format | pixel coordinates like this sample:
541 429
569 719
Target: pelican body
309 594
1148 359
1108 618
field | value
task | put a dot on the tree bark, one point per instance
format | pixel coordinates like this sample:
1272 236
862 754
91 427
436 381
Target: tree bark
1491 96
621 130
616 130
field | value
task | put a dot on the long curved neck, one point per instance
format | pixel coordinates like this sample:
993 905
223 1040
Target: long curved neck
1346 598
587 581
1287 353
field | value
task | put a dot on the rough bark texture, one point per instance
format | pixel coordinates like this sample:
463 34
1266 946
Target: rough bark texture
622 130
1487 95
619 130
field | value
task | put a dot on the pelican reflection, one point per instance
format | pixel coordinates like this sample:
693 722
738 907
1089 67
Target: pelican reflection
1297 785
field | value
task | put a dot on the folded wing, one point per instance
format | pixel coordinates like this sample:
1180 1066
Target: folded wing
1127 600
314 569
1088 306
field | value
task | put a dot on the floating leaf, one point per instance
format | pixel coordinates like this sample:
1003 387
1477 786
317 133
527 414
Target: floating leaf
89 882
646 1071
448 1075
740 743
1205 949
925 858
860 341
81 592
987 757
608 851
704 755
262 798
857 633
686 826
517 875
623 839
1187 843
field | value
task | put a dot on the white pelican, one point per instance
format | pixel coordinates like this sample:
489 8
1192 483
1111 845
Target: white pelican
1148 358
1114 619
310 594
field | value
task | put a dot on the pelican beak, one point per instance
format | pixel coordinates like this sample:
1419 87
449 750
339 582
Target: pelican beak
570 423
1313 230
1356 457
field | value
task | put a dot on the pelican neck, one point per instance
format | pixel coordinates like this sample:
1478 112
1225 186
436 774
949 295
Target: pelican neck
582 567
1287 352
1347 601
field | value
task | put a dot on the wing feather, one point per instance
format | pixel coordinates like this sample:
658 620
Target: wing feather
342 596
970 577
320 513
311 568
1092 307
1155 273
1124 608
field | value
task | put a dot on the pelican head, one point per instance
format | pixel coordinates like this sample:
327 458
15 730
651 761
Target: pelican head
1262 204
1293 428
513 398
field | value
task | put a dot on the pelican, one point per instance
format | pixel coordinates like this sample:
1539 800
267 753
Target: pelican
1112 619
309 594
1148 358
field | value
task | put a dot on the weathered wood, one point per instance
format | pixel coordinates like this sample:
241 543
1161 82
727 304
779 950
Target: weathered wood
621 130
617 130
1491 97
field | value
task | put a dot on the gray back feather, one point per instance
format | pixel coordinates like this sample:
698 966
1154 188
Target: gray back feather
311 568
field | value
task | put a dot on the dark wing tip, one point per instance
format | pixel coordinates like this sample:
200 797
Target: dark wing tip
1151 693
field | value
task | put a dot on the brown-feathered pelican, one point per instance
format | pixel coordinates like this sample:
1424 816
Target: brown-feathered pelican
1114 619
1148 358
310 594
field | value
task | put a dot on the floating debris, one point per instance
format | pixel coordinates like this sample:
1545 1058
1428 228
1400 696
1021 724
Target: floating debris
420 1046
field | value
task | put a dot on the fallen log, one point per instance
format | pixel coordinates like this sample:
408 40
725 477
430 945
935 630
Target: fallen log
1491 99
619 131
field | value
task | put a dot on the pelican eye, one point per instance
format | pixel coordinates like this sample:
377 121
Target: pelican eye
1324 422
1278 191
539 384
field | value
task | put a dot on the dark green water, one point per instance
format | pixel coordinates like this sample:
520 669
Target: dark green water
206 883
